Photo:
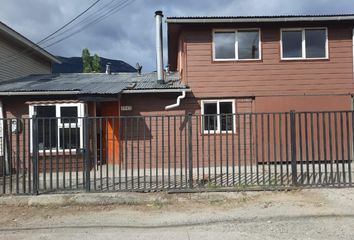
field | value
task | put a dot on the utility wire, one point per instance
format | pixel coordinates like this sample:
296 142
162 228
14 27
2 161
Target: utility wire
81 21
103 16
68 23
13 57
122 5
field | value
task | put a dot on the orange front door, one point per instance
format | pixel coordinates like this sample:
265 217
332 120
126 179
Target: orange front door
110 124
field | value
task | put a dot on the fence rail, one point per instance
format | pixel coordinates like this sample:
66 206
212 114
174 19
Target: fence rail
180 152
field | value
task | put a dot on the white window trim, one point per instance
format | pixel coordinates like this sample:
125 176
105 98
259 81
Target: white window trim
80 113
236 44
303 57
218 101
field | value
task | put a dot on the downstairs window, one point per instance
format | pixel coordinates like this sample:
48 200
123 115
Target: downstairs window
59 125
218 116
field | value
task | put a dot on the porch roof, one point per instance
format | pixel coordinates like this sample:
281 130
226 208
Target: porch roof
89 83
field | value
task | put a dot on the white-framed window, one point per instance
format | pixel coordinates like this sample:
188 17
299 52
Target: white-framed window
304 43
218 116
59 125
236 44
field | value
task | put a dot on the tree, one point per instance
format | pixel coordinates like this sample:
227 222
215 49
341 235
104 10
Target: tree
96 63
86 61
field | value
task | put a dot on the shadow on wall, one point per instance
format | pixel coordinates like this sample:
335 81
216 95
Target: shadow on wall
149 119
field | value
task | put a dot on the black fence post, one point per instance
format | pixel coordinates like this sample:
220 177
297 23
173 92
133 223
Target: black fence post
35 154
190 150
293 147
86 154
350 158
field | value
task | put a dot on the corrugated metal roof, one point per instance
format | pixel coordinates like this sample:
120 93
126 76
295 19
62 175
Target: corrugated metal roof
274 18
90 83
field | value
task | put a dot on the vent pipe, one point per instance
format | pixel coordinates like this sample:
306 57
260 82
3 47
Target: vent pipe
138 68
159 47
108 68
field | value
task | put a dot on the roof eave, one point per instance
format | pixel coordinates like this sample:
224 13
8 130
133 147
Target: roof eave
56 93
258 20
34 93
173 90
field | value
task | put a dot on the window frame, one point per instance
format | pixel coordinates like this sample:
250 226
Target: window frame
60 125
303 43
235 30
218 101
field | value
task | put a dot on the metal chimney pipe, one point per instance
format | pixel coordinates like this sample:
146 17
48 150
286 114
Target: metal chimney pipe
159 47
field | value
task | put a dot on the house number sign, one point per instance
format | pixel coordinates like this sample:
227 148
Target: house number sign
126 108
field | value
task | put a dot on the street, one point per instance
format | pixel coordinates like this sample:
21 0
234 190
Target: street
306 214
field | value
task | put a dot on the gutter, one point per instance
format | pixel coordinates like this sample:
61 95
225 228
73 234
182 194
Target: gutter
157 91
53 93
257 20
39 93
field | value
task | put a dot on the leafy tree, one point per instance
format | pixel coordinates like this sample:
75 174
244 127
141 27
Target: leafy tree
86 61
96 63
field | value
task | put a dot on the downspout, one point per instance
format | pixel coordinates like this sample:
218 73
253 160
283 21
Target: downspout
179 98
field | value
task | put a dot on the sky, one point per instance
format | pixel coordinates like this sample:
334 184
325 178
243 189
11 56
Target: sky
129 33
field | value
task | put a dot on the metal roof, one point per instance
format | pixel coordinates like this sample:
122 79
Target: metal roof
255 19
88 83
26 42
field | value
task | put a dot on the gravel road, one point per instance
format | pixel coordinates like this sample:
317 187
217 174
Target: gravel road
306 214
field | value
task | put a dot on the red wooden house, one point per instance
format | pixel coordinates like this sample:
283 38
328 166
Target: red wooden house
224 67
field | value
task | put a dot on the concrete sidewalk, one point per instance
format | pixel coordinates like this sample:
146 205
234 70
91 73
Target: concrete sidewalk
306 214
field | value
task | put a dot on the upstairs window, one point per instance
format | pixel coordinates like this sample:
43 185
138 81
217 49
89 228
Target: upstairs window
307 43
236 45
218 116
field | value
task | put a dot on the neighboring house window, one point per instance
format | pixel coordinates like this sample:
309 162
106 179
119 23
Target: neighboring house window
218 115
236 45
59 125
307 43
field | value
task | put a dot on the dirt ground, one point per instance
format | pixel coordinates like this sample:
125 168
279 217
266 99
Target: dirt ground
306 214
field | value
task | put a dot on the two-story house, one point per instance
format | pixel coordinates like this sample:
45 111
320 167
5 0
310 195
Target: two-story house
20 57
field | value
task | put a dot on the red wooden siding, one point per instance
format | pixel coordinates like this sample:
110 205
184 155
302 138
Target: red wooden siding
270 76
163 138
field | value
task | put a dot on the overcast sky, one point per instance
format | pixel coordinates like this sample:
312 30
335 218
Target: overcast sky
129 33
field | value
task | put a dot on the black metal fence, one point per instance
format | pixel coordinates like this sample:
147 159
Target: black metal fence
184 152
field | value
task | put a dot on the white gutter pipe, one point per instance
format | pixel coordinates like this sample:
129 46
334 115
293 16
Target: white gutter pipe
178 101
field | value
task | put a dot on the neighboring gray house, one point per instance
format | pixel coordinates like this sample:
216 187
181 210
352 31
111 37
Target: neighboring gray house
21 57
